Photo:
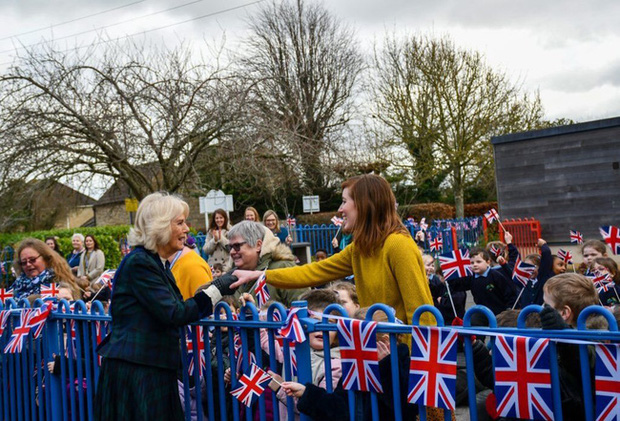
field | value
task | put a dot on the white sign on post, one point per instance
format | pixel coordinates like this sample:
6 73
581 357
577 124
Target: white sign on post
216 199
311 204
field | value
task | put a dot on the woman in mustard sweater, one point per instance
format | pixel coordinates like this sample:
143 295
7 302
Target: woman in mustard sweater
383 257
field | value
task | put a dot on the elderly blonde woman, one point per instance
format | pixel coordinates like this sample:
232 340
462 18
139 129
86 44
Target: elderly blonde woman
36 264
138 378
73 258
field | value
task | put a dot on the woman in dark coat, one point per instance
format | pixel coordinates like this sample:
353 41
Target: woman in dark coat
138 379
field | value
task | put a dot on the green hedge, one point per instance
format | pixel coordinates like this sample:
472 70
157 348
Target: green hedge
107 237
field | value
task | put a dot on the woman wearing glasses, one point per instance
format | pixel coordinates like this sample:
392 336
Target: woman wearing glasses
253 247
36 265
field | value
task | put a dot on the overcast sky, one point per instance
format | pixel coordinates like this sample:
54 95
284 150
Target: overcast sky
567 49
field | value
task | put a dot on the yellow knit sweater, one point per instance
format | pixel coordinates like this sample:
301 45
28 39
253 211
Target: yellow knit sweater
394 275
191 271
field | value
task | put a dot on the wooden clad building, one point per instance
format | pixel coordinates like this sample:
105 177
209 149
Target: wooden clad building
567 177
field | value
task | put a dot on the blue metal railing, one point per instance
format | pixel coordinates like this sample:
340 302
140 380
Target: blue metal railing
31 392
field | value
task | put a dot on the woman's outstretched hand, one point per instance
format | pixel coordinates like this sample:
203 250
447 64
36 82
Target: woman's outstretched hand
245 276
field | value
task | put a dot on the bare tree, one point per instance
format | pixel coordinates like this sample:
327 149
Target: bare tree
70 114
443 104
303 65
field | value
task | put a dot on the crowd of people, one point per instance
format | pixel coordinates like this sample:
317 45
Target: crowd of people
164 284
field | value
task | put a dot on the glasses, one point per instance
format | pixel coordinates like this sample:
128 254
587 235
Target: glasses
29 261
236 246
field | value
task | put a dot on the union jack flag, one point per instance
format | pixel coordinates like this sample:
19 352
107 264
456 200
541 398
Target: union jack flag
522 378
432 370
496 251
5 294
292 329
261 291
37 318
49 291
566 256
436 244
291 221
20 333
4 318
576 237
106 278
252 385
201 350
522 272
611 235
491 216
604 287
607 382
455 264
601 278
358 352
337 221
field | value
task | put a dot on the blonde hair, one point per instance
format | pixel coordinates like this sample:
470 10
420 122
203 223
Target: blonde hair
154 218
572 290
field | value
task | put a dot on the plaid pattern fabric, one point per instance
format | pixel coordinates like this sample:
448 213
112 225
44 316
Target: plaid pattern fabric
154 392
147 311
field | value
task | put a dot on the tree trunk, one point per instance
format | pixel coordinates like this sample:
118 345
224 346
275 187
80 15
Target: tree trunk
459 193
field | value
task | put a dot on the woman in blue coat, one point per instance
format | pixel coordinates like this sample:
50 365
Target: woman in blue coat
138 379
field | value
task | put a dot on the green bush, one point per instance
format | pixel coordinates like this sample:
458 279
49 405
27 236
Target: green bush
108 238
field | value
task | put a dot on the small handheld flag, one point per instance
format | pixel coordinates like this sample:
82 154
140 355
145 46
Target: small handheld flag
566 256
522 272
576 237
436 244
455 264
251 385
337 221
261 291
292 329
611 235
491 216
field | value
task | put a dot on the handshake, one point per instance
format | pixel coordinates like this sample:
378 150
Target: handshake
222 284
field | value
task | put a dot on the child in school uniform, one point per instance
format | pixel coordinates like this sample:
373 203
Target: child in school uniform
565 296
533 290
489 287
609 296
590 250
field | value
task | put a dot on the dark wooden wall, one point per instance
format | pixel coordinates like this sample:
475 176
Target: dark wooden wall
567 177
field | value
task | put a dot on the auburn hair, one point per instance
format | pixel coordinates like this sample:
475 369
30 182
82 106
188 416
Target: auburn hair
376 212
